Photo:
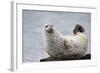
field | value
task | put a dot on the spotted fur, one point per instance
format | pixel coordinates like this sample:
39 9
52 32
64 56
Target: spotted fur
57 45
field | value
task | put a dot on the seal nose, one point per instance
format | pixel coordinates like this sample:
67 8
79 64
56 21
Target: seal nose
50 29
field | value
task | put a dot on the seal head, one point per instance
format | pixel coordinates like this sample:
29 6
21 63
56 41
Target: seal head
78 28
49 28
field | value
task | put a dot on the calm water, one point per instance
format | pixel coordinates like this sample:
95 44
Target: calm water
64 22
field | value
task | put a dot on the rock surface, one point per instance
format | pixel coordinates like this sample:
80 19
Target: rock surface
87 56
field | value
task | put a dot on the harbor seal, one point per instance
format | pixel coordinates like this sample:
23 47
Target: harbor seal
64 47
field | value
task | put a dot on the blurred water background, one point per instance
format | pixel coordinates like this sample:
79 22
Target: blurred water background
33 21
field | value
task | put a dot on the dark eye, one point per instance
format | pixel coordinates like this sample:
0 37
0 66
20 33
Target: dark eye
51 25
46 26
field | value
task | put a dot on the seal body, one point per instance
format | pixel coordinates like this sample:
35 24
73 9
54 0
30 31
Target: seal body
59 46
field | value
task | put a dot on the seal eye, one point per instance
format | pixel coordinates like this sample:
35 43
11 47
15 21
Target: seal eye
51 25
46 26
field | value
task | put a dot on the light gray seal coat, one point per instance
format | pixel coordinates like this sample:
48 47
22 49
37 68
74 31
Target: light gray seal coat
68 46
